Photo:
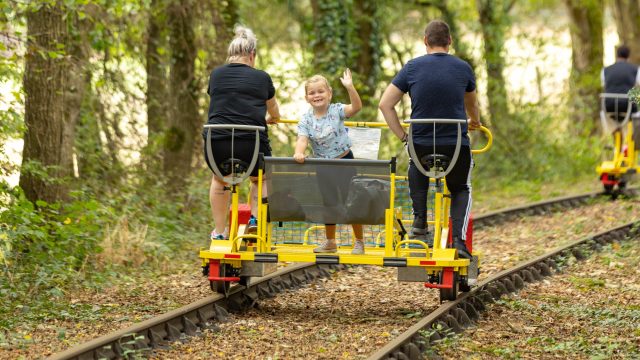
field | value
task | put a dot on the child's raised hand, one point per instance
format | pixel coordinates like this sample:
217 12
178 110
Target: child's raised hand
346 78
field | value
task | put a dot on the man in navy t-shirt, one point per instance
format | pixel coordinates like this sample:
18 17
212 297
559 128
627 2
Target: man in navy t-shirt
441 86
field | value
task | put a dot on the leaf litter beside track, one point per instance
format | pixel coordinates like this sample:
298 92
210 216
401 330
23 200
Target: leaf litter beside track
362 296
590 311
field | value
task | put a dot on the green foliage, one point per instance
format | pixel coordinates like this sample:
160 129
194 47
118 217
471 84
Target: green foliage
537 149
634 94
46 249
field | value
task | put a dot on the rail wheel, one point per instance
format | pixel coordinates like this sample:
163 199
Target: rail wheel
608 189
451 293
464 286
221 286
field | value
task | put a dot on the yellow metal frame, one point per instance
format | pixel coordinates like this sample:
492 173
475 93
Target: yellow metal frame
621 164
394 251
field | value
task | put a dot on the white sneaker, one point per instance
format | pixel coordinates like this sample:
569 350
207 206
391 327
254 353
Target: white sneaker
327 246
358 247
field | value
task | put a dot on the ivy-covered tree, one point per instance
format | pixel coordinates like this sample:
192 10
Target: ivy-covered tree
586 18
368 40
185 122
346 34
494 21
156 64
44 163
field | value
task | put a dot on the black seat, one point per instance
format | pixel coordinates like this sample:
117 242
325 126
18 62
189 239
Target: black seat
233 166
435 162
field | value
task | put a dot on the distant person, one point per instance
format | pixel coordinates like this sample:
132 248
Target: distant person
441 86
240 95
619 78
323 126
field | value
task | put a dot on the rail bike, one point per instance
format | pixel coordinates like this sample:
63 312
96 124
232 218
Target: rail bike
291 218
622 167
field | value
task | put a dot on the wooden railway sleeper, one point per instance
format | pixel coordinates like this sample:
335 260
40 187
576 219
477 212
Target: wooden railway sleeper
518 283
453 324
544 269
188 326
411 351
421 342
475 302
470 310
462 317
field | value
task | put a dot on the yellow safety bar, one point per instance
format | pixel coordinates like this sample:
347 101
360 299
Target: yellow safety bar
489 136
375 124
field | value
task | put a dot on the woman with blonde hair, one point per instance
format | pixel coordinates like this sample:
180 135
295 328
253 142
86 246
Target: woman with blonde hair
240 95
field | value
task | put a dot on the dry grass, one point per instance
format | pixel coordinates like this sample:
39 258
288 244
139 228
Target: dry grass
123 245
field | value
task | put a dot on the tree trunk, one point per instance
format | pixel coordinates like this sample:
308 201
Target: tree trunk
494 22
78 80
185 122
627 16
586 41
367 65
45 78
333 42
156 71
224 15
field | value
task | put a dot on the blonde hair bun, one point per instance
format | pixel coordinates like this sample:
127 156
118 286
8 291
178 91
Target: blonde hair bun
243 44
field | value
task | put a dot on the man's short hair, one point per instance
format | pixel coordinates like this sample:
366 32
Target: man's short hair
623 51
437 33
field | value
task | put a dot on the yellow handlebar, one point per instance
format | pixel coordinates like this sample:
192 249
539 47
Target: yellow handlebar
487 132
372 124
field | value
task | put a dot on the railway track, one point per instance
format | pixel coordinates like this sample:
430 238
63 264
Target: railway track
188 320
455 316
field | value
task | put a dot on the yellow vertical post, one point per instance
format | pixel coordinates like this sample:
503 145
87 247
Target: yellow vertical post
389 218
265 236
233 232
617 152
631 146
261 223
446 204
437 220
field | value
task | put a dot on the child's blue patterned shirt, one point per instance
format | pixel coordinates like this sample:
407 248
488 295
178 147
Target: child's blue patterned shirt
327 134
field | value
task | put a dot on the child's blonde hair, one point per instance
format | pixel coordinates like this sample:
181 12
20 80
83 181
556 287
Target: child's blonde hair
243 44
314 79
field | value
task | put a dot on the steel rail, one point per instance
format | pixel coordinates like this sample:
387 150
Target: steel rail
457 315
188 320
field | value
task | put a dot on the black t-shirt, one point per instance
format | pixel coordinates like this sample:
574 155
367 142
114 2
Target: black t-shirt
239 95
619 78
436 84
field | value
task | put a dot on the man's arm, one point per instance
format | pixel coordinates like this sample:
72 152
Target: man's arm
390 98
472 108
273 110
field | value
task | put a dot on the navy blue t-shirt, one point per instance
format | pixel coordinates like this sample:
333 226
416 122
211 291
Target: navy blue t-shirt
436 84
239 95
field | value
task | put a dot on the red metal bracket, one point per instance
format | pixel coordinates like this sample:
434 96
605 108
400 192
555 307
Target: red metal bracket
214 272
607 181
447 280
